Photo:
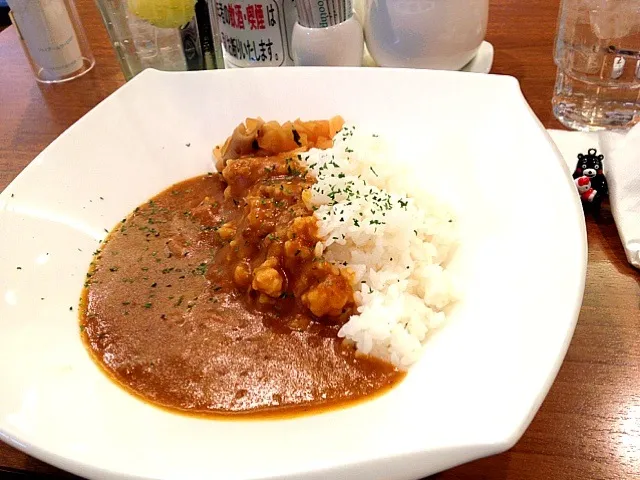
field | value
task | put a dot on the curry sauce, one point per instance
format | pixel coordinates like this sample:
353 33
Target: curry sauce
209 299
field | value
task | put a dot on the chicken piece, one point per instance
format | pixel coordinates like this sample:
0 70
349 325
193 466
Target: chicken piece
242 275
294 249
265 299
227 231
305 229
261 218
267 279
241 174
329 297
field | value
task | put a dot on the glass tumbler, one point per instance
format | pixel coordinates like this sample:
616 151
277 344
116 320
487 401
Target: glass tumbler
163 34
53 39
597 52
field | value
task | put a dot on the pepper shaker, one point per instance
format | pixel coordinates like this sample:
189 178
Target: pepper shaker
327 33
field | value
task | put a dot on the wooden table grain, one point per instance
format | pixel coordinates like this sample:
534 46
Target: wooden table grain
589 425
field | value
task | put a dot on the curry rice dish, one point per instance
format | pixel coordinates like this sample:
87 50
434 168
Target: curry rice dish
224 295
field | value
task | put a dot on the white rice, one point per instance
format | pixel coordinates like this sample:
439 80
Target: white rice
396 241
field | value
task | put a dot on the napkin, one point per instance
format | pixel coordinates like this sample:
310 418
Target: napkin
621 168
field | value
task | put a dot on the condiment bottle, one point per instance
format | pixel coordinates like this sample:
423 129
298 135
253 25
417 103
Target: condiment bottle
53 38
327 33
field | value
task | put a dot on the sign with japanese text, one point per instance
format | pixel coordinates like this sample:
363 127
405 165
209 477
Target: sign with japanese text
256 32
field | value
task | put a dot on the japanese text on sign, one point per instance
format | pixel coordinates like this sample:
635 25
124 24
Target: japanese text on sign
252 17
256 32
262 51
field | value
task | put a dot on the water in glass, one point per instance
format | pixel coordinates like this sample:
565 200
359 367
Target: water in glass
597 53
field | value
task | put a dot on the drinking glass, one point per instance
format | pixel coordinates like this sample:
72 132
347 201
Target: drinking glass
163 34
597 52
53 39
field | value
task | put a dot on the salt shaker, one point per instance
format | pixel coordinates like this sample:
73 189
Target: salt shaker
327 33
53 39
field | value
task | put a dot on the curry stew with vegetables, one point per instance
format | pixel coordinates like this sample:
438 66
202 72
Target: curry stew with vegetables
210 297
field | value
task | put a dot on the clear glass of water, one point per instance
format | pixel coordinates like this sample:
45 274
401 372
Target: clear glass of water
597 52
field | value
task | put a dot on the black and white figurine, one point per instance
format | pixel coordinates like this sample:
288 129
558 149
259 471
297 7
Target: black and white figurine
589 178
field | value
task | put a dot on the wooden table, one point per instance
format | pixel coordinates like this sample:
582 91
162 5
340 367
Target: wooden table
589 425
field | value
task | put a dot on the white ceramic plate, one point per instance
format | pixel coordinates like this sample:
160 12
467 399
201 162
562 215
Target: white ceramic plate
482 377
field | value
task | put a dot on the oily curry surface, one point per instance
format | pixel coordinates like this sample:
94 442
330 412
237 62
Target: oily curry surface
210 298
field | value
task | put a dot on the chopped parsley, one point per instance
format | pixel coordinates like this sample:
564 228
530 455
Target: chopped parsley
200 269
